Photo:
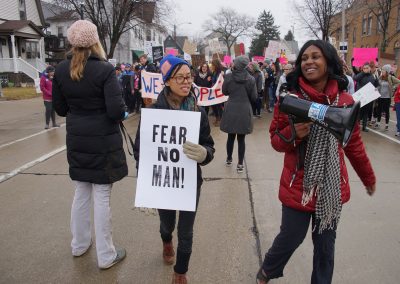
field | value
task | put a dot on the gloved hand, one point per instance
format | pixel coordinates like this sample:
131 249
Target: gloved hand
195 151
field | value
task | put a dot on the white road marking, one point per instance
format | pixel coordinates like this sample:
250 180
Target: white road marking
384 135
30 136
31 164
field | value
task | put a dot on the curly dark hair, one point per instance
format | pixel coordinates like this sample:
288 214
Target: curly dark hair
333 62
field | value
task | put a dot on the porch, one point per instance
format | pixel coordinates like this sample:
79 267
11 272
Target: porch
22 50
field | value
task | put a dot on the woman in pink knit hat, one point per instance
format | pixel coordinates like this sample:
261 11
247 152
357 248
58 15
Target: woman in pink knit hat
86 91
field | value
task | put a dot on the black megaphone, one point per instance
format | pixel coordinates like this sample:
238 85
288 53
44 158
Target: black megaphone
340 121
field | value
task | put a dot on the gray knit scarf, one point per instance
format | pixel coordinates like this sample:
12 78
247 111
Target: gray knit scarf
322 175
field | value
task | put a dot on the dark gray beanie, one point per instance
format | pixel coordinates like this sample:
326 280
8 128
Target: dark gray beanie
241 62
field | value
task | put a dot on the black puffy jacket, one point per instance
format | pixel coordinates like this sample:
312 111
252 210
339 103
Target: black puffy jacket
93 107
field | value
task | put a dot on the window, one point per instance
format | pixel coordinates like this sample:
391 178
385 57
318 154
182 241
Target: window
364 25
22 10
354 35
31 49
369 28
60 31
154 36
379 22
148 34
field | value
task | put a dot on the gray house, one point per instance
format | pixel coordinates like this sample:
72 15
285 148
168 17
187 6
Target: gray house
22 39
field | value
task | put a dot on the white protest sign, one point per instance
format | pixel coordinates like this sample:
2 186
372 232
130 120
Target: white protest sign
152 85
167 178
214 45
148 47
273 50
187 57
210 96
366 94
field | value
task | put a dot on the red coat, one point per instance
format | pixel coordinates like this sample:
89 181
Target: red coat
291 183
397 95
46 86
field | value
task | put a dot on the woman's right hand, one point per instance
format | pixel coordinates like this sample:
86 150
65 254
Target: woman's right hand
302 129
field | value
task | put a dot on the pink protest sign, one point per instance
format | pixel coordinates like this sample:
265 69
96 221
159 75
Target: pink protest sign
362 55
171 51
283 60
227 59
258 58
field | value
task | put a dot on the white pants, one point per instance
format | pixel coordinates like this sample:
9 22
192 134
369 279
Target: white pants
80 221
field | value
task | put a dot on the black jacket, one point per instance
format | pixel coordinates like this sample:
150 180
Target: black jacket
205 138
203 82
93 107
363 79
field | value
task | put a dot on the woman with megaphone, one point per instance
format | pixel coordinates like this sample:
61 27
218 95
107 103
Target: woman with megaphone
314 183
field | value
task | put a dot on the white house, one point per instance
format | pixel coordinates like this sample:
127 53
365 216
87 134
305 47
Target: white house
58 20
138 40
22 38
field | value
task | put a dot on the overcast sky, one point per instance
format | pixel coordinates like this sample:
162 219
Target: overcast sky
197 11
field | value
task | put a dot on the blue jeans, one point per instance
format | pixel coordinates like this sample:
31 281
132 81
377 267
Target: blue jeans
272 96
397 106
294 227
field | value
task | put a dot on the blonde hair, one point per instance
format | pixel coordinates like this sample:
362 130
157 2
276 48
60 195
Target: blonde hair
80 56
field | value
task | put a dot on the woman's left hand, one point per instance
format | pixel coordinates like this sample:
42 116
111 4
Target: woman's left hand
371 189
195 151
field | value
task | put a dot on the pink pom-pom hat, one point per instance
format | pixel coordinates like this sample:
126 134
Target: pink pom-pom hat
82 33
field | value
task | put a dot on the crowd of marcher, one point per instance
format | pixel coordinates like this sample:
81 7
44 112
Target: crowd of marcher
95 97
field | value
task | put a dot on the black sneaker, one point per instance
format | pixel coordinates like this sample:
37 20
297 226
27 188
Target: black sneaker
228 162
121 254
240 168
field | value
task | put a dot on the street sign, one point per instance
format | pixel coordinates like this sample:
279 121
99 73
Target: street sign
343 46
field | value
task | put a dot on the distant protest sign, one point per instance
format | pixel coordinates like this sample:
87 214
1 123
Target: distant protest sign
157 53
366 94
362 55
152 85
167 178
227 59
258 58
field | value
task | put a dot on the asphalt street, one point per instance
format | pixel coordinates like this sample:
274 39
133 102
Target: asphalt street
238 215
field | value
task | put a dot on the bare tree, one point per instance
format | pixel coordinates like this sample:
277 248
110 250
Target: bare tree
317 15
113 18
229 25
381 10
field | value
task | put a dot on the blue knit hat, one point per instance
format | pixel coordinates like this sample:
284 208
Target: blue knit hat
168 63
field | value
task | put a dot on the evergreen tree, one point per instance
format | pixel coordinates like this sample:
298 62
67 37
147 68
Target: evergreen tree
265 24
289 36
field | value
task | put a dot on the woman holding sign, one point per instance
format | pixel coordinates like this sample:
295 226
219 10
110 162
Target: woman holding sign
176 95
314 182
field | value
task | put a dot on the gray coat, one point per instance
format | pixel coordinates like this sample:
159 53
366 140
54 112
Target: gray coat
241 88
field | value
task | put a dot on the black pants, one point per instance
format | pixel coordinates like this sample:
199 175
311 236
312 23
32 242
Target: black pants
384 106
185 233
50 113
364 114
241 146
293 230
138 100
257 106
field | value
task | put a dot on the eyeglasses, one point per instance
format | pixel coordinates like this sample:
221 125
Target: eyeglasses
180 79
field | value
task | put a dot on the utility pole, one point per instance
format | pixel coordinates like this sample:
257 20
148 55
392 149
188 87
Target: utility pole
343 19
174 32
